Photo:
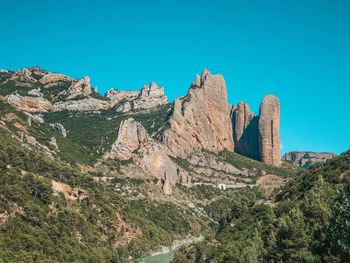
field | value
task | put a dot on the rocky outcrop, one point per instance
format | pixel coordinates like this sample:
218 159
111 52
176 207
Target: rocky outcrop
60 128
125 107
150 97
54 79
307 159
134 142
86 104
117 96
30 104
269 125
201 120
35 93
131 135
155 161
81 88
245 125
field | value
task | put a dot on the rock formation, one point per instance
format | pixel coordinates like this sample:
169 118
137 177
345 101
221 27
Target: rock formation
246 131
59 127
81 88
86 104
150 96
131 135
156 162
269 125
30 104
54 79
307 159
201 119
133 141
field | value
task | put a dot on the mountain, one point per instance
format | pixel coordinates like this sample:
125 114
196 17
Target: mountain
307 159
102 178
200 120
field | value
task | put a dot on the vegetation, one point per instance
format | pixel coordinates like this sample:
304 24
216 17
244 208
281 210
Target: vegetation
309 224
41 225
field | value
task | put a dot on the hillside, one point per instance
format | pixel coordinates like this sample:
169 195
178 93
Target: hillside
110 178
309 222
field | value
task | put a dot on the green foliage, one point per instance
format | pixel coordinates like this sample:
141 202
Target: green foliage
339 230
92 134
43 226
240 161
309 224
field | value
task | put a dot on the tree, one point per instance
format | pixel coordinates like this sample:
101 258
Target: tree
339 229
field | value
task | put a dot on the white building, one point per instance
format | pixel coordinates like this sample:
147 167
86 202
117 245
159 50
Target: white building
222 186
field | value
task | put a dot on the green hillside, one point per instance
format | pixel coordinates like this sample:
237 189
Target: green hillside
309 223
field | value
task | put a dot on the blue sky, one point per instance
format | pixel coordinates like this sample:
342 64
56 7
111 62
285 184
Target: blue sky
297 50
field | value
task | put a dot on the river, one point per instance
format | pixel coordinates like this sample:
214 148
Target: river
160 258
166 257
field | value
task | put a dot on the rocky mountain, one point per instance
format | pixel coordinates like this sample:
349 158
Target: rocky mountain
307 159
127 171
200 121
36 90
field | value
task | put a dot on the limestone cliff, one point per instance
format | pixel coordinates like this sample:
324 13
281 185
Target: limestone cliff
131 135
246 131
134 142
41 91
269 125
201 119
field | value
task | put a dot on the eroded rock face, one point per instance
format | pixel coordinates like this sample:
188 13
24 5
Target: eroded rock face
60 128
150 96
269 125
86 104
131 135
117 96
30 104
307 159
156 162
81 88
133 141
246 131
54 79
201 120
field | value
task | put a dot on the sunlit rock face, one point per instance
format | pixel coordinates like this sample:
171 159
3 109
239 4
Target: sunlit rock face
201 119
269 125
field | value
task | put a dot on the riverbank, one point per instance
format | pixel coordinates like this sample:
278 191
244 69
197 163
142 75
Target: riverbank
165 254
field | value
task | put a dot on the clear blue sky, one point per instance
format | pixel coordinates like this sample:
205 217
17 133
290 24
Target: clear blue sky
298 50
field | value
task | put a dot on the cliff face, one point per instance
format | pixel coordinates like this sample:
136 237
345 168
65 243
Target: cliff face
307 159
204 120
133 141
36 90
201 119
246 131
269 125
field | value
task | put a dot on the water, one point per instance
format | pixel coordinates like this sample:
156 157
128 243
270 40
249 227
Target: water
161 258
